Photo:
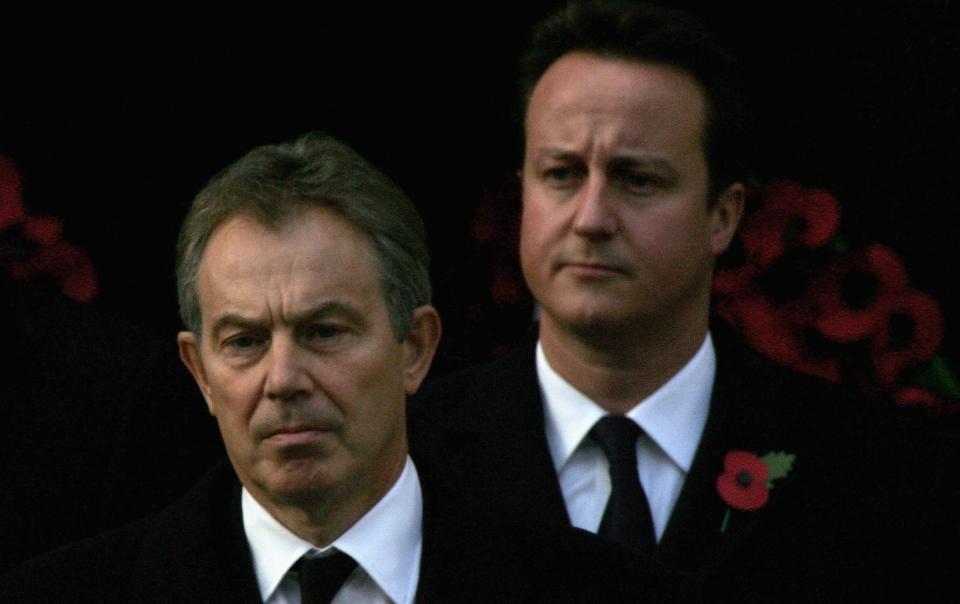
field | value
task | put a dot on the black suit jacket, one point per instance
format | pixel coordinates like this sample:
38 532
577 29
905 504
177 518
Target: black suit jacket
196 551
858 516
100 424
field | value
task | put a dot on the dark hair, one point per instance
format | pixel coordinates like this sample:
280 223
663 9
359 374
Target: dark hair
277 183
648 33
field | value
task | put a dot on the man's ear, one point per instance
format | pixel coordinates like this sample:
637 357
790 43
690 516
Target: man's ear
419 346
190 355
725 216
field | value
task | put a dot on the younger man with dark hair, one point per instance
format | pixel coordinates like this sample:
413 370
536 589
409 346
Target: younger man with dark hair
629 413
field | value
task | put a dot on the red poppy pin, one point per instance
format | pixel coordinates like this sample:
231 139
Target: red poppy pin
747 479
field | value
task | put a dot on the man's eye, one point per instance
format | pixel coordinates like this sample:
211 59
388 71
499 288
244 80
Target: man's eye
243 342
560 175
639 183
323 331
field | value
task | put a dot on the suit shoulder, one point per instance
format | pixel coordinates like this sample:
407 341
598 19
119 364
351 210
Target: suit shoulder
110 566
445 391
744 373
93 570
515 370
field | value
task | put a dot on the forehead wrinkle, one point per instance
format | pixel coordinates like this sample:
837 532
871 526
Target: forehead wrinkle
274 277
300 301
316 312
622 158
603 136
618 105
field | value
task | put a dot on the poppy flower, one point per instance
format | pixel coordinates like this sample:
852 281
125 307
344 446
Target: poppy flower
66 263
783 333
81 283
11 205
790 217
911 334
743 484
797 295
734 273
855 294
44 230
732 280
911 396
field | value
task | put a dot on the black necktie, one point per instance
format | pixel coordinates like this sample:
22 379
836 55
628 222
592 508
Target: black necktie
626 518
323 576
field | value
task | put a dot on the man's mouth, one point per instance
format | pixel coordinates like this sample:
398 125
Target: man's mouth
593 269
297 434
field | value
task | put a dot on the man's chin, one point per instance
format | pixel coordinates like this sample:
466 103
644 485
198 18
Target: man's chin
596 320
598 330
299 480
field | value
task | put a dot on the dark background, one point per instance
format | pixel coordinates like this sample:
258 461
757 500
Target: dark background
117 118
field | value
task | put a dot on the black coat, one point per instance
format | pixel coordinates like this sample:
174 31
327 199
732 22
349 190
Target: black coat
101 423
196 551
859 515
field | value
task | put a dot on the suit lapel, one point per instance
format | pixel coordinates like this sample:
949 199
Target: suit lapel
748 412
465 556
197 550
505 456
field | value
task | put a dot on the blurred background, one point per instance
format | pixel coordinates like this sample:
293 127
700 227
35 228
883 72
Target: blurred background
115 118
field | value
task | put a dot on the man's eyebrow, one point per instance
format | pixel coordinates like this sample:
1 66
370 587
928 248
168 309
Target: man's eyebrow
557 154
327 309
657 164
625 160
320 311
233 320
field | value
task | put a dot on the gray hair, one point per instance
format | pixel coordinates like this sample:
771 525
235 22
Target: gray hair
277 183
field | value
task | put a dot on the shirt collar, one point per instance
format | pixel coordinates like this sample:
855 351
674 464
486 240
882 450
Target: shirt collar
673 416
385 542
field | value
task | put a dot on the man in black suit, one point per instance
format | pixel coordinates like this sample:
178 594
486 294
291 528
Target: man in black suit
303 281
101 423
773 486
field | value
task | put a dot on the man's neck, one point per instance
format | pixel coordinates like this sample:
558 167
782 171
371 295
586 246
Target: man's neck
619 368
321 519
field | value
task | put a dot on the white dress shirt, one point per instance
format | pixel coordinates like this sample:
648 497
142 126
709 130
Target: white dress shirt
672 419
386 543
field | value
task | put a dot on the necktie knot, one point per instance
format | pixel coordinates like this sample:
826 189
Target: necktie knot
321 577
617 436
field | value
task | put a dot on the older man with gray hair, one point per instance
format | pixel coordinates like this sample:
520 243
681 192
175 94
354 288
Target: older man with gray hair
303 282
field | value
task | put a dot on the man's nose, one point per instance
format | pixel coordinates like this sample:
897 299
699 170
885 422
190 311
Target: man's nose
595 215
288 376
